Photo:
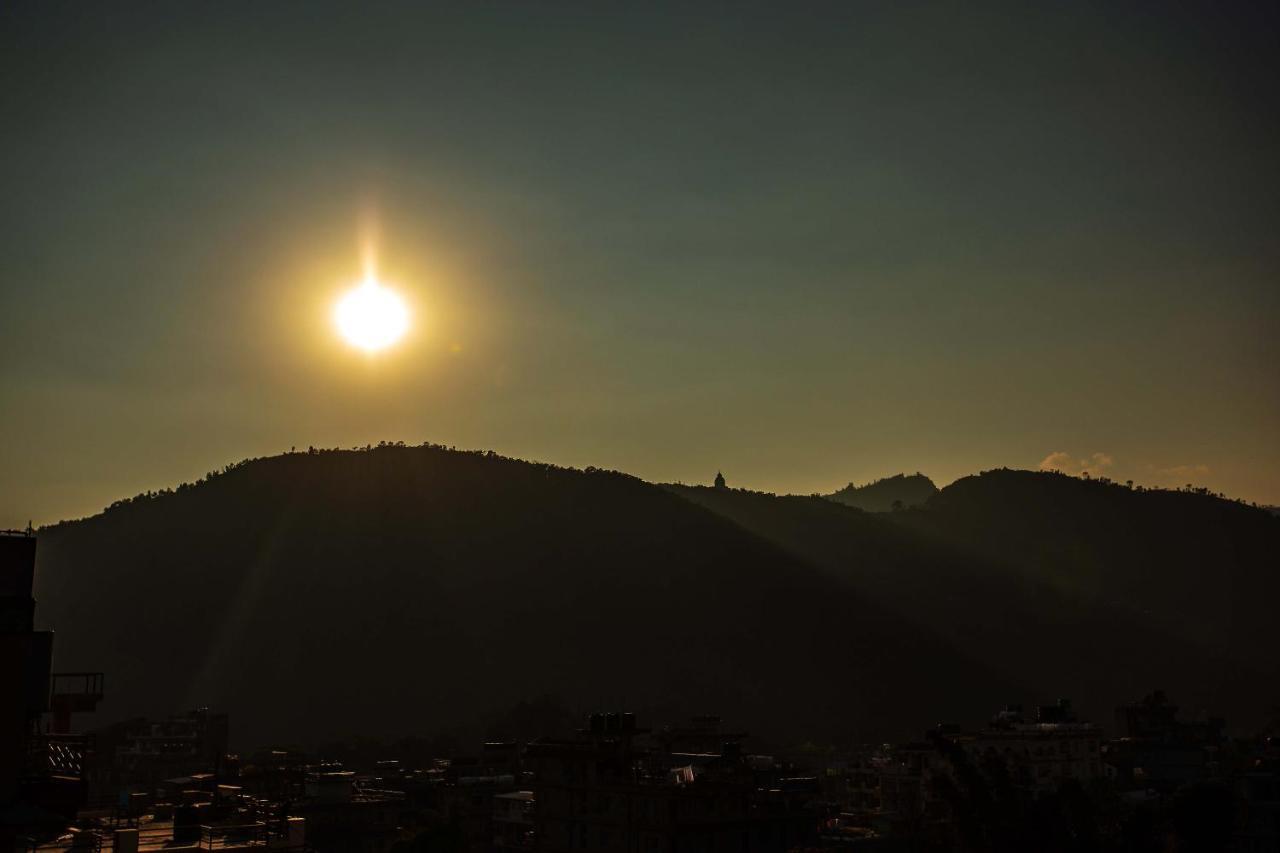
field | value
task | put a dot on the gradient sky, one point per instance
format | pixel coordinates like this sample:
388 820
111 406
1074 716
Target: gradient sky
802 243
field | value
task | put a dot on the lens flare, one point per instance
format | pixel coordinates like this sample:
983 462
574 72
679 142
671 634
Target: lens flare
371 316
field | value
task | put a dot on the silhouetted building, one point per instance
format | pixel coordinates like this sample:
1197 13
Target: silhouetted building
603 792
42 768
1038 756
26 656
720 484
1043 753
472 785
346 813
1257 788
704 734
278 774
1158 752
909 805
136 755
513 821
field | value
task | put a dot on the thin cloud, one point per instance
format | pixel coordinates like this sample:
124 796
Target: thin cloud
1064 462
1059 460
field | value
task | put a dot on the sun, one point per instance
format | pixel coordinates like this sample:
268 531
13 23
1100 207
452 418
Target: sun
371 316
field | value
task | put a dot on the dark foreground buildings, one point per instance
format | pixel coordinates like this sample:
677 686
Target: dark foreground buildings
46 769
26 656
42 762
139 754
604 791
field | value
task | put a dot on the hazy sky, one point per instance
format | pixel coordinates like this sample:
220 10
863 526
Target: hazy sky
801 243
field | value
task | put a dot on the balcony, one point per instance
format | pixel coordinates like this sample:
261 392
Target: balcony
76 691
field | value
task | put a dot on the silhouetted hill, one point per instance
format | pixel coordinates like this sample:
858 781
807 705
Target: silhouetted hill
410 590
1072 587
1186 562
896 492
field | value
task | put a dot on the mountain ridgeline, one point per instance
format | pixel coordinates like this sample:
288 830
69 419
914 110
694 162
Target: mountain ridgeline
1070 587
900 491
1185 563
405 590
402 590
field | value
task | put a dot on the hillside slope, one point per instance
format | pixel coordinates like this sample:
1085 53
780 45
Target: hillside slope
975 570
897 492
401 590
1192 564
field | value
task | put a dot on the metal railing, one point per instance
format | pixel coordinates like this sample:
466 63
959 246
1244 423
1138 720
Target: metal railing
211 837
76 684
58 755
256 834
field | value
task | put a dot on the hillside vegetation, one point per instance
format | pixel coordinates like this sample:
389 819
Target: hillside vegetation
411 589
1100 612
1185 562
897 492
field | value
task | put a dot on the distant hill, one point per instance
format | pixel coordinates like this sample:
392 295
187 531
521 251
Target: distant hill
413 590
1187 563
409 590
1005 612
896 492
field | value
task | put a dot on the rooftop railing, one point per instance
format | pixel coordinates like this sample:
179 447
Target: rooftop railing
212 837
76 684
57 755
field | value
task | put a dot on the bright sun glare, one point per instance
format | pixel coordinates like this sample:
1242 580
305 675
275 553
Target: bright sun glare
371 316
